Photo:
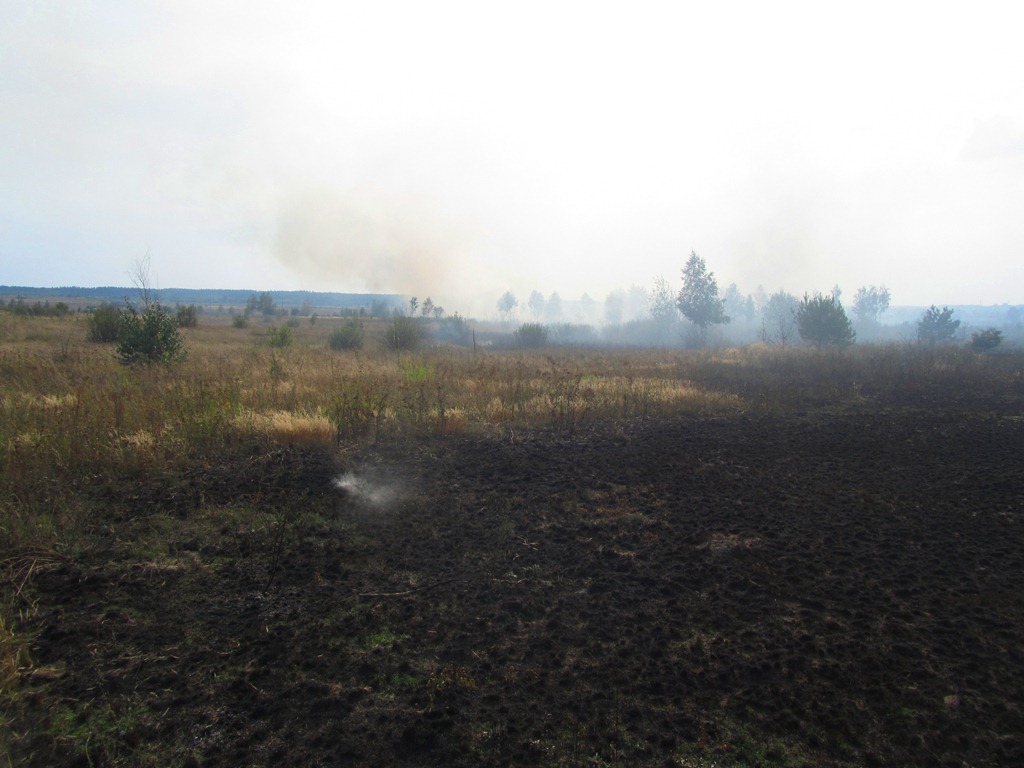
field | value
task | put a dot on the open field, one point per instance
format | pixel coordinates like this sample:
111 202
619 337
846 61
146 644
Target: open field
296 556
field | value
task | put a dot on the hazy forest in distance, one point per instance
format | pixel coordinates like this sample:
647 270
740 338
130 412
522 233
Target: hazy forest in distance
623 318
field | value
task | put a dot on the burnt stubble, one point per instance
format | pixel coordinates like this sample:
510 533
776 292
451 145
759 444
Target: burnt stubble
834 586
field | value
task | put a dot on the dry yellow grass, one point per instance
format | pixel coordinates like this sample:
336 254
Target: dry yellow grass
287 428
68 406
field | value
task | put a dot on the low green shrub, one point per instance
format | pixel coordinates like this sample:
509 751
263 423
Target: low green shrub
822 321
188 317
455 329
281 336
402 334
349 336
150 336
531 335
936 325
988 339
104 324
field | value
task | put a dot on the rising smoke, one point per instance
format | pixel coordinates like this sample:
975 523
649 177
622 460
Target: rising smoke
383 241
369 489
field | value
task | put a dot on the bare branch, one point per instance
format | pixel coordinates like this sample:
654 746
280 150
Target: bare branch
139 272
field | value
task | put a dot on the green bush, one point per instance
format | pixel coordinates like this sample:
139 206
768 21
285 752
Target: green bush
455 329
531 335
188 317
988 339
402 334
822 321
936 325
281 336
104 324
349 336
240 321
264 304
151 336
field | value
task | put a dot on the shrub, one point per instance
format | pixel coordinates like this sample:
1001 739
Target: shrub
349 336
240 321
281 336
988 339
263 303
778 318
936 325
531 335
572 334
455 329
821 320
188 317
402 334
104 324
151 336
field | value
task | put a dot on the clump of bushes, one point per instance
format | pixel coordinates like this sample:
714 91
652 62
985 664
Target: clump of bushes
150 336
936 325
822 321
104 324
402 334
579 334
349 336
188 317
281 336
531 335
455 329
988 339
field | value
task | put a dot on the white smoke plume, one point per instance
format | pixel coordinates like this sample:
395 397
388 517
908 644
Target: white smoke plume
384 241
368 489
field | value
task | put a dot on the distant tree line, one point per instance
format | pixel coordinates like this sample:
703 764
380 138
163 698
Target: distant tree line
691 312
36 309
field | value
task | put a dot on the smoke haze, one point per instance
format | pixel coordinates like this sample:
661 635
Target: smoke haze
381 243
457 150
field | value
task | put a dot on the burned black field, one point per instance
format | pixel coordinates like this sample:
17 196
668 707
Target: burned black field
831 586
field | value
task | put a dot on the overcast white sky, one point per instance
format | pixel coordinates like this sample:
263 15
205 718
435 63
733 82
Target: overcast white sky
457 149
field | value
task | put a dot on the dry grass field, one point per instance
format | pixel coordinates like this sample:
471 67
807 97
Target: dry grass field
457 556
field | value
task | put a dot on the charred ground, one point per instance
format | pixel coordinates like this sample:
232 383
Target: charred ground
828 586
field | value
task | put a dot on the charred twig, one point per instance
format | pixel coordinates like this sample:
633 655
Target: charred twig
410 591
